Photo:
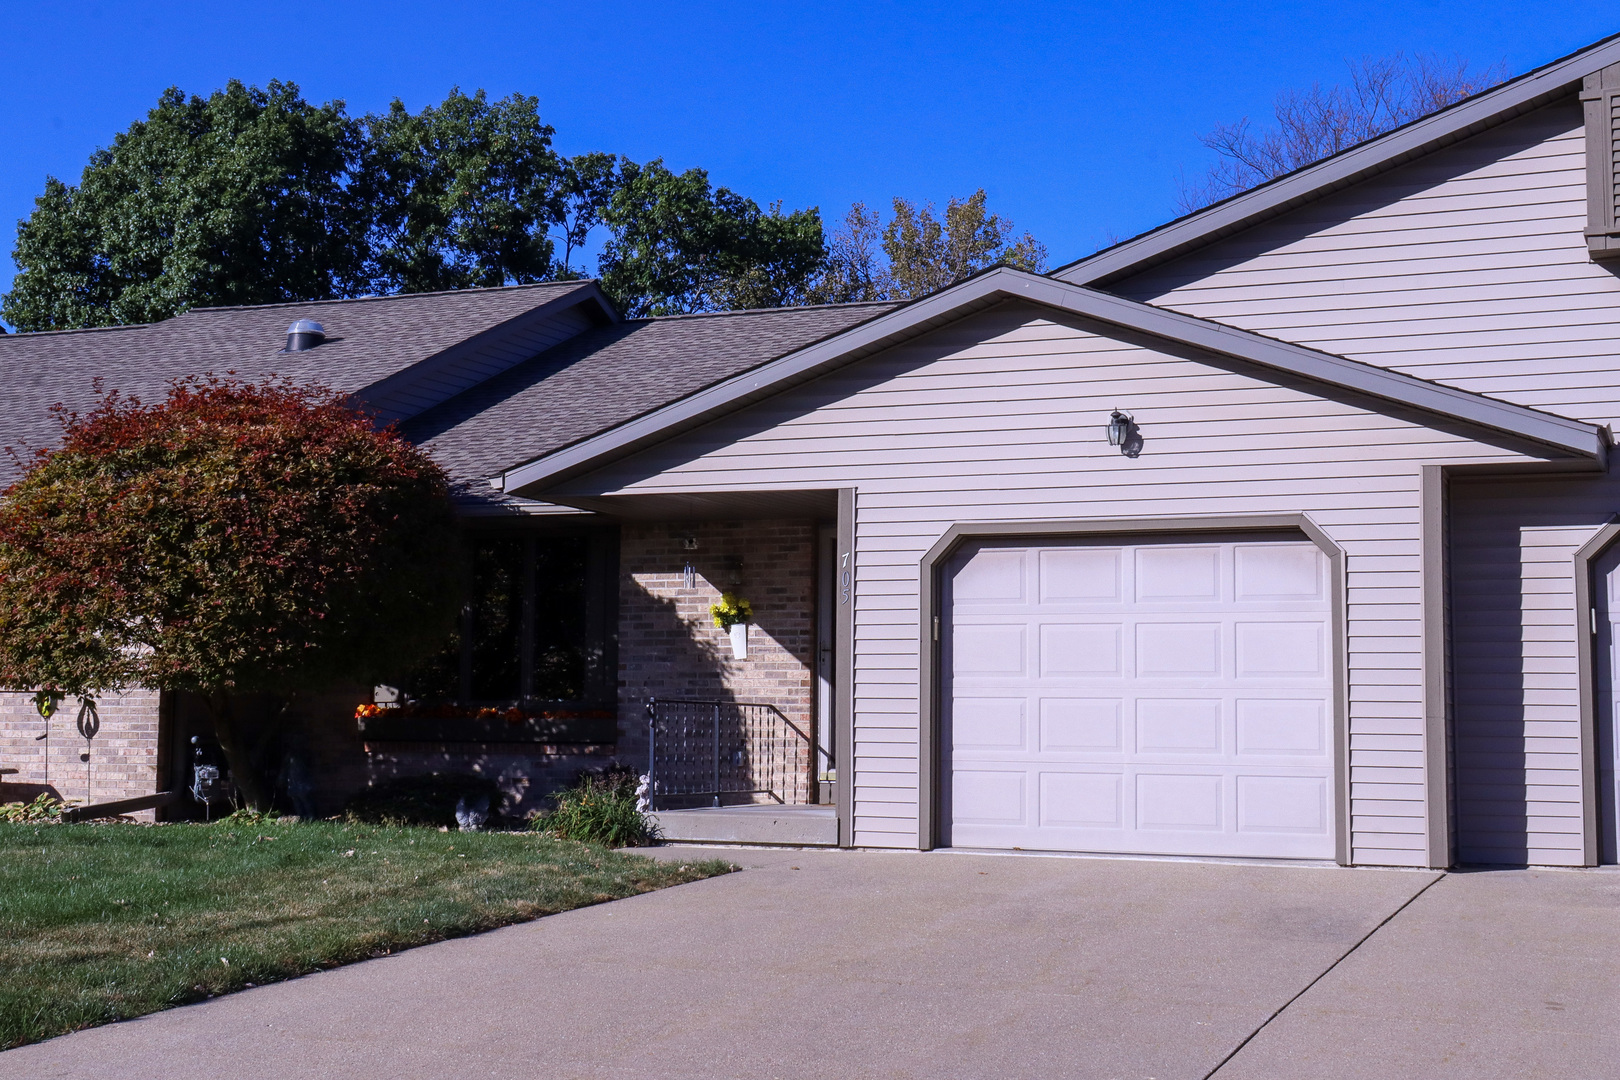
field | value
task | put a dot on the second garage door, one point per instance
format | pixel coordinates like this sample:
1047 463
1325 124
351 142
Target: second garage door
1156 698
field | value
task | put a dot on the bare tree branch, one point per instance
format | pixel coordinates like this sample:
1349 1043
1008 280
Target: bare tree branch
1382 94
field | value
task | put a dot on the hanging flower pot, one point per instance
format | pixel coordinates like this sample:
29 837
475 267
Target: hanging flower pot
732 614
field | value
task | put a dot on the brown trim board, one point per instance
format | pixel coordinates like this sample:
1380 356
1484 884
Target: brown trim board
1436 683
930 693
1586 672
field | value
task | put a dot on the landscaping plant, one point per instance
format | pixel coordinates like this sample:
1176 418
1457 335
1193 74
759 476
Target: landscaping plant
600 809
40 808
232 539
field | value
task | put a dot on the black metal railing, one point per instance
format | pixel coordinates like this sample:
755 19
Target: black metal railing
714 753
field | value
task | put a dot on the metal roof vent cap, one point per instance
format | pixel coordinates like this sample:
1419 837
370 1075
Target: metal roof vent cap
303 335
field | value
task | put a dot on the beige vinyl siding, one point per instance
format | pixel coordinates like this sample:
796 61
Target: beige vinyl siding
1468 267
1516 695
1000 417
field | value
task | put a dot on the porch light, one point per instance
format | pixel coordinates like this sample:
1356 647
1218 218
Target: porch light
1120 426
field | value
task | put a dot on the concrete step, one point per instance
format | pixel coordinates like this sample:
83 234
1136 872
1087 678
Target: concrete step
796 825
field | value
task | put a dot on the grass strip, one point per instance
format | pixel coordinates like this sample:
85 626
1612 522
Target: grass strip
105 922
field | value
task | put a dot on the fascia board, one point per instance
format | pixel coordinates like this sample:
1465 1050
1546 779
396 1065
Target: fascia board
1003 283
1469 117
1573 436
446 359
878 333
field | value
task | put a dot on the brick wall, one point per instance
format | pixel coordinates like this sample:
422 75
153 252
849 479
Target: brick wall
320 729
123 757
668 643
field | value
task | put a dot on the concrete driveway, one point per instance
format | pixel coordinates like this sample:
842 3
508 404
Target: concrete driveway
859 964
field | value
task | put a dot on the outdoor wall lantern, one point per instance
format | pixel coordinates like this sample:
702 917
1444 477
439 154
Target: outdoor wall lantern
1123 433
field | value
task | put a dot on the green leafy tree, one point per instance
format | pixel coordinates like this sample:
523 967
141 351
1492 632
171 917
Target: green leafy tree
462 194
589 182
679 245
232 539
256 196
237 198
916 253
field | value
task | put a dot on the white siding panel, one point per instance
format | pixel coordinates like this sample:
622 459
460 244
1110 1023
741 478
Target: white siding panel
1468 267
923 456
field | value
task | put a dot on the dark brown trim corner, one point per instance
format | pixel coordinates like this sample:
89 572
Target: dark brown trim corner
1586 672
1437 767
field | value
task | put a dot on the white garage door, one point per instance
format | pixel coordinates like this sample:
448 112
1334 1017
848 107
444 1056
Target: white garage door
1163 698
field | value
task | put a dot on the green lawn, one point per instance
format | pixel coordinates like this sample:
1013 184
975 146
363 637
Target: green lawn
103 922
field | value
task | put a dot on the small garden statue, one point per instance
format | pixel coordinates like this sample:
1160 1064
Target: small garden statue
472 812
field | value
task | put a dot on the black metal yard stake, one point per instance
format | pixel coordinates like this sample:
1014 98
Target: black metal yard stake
45 702
89 724
717 753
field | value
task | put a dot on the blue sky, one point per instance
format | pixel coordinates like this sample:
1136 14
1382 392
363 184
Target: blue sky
1076 118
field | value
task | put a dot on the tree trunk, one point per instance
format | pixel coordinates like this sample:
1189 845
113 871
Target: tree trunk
244 774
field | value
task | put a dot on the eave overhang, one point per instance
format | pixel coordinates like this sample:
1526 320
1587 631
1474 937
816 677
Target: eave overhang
1548 435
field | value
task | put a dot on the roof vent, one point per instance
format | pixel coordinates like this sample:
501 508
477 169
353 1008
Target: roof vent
303 335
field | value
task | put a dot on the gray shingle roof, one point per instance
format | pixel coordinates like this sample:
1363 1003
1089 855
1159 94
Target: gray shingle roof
367 340
612 374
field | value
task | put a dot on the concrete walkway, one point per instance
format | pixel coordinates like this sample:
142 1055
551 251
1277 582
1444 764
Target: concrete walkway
858 964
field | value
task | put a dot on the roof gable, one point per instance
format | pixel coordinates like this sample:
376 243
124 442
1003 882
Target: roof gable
610 375
1514 98
1557 436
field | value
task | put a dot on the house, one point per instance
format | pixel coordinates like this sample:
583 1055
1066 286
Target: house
1285 530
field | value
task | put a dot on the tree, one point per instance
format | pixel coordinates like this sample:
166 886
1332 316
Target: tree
233 539
678 245
239 198
256 196
916 253
589 181
461 194
1313 124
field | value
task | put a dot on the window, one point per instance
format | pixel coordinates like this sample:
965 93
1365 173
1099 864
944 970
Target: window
536 624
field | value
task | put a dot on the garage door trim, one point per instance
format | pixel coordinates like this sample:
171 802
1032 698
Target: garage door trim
930 690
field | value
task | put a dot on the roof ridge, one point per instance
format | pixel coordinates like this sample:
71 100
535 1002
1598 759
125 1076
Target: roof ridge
391 296
766 311
74 330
